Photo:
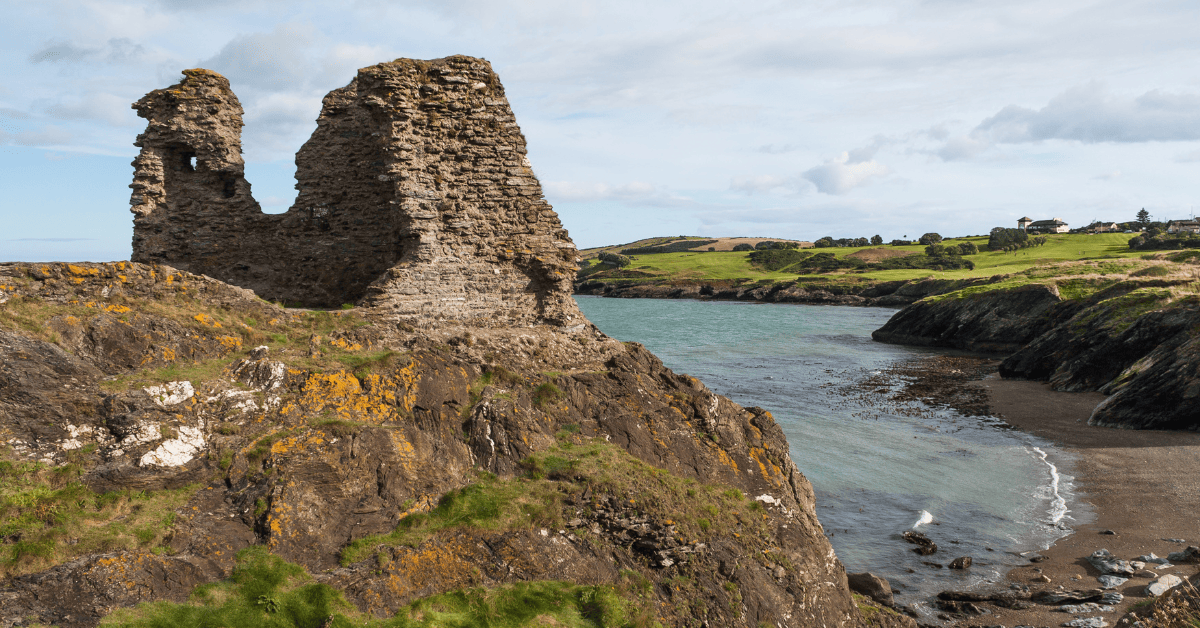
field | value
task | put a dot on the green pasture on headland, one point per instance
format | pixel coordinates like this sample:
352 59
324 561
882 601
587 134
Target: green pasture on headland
690 267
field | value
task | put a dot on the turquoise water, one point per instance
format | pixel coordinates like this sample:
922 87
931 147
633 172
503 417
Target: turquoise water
991 492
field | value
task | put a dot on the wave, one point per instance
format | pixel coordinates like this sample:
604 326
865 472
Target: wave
1058 503
925 518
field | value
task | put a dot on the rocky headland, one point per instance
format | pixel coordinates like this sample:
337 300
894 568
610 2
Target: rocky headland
452 437
1134 340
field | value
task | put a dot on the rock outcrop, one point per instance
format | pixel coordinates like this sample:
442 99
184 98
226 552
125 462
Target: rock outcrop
1135 341
415 195
986 321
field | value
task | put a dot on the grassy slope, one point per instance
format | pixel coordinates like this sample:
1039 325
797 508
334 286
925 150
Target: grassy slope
672 267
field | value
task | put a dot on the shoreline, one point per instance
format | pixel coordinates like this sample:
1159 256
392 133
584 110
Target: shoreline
1144 485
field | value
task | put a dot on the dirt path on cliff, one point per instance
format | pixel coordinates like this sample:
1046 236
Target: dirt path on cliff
1144 485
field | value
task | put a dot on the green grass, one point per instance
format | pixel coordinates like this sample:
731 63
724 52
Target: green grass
735 266
48 517
699 511
266 591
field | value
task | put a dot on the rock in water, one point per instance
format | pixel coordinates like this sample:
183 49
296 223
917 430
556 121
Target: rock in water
872 586
963 562
924 545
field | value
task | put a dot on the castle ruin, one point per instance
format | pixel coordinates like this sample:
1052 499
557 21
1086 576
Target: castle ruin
414 196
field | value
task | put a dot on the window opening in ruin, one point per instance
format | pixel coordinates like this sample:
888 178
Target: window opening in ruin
192 162
274 183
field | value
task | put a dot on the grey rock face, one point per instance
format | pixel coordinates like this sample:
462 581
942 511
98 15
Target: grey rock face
415 195
1109 564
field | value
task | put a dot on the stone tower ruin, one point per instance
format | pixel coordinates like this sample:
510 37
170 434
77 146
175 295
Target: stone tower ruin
415 196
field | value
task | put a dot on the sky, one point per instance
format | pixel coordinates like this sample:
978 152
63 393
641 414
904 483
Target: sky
846 118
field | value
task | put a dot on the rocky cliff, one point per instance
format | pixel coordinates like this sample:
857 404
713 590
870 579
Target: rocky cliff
833 291
176 439
1134 340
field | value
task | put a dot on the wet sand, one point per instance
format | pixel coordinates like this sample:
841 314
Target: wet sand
1142 484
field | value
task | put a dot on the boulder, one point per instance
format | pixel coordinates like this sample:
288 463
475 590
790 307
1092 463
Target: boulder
1189 555
1109 564
1163 584
872 586
962 562
1111 582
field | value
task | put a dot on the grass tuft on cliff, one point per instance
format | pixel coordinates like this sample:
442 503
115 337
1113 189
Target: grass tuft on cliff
700 512
266 591
48 517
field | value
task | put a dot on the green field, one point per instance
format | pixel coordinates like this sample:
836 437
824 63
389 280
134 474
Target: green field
730 266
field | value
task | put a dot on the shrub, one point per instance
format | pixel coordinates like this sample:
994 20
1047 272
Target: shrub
1001 239
670 247
876 240
900 243
930 238
614 259
967 248
825 242
777 259
743 247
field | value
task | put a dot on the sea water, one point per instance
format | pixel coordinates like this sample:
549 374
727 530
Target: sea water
973 486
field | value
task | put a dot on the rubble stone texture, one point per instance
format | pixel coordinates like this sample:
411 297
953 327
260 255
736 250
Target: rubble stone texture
415 195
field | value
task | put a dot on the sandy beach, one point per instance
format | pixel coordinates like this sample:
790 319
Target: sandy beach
1143 485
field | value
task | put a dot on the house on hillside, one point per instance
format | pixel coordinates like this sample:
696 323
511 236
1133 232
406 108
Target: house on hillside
1102 227
1183 226
1022 223
1054 225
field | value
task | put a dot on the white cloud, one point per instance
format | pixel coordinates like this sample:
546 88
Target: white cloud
49 135
1089 114
840 175
1108 176
271 61
964 147
589 192
116 50
760 183
110 108
1188 157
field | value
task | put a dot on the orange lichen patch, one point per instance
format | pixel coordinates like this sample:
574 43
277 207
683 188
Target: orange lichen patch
232 343
723 456
768 468
407 379
344 395
205 319
294 443
405 451
433 562
116 309
80 271
71 320
341 343
123 278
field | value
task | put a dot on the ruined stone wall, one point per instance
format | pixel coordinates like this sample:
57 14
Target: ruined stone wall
415 196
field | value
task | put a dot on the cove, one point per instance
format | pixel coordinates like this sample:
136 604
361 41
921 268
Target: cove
992 492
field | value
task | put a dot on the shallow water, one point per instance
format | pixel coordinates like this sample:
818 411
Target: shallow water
977 488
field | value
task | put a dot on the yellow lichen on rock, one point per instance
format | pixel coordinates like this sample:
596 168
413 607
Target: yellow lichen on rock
343 395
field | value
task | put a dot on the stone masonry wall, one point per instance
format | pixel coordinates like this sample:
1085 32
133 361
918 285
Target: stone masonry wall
415 196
